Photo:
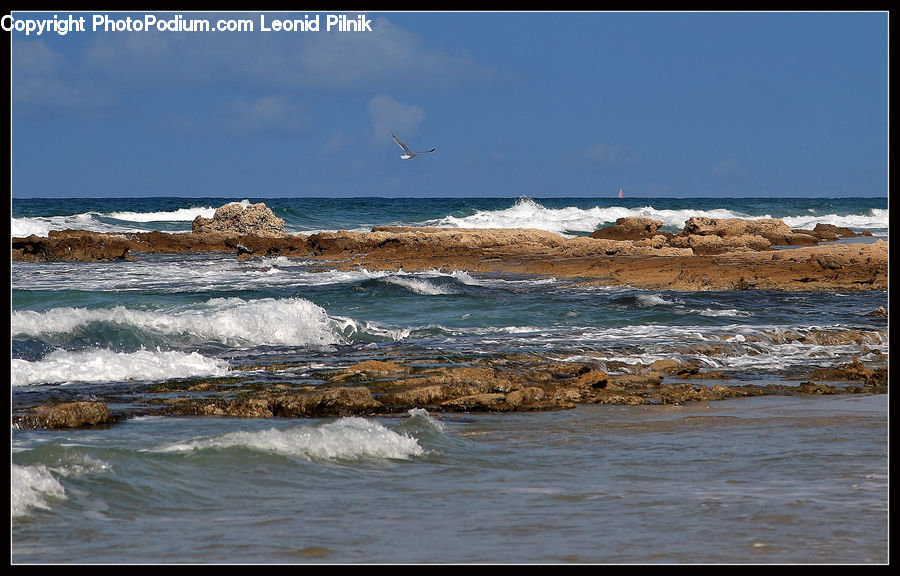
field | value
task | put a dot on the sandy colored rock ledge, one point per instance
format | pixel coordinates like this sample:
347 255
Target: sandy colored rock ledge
730 254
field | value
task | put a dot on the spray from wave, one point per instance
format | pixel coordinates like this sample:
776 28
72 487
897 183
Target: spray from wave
569 221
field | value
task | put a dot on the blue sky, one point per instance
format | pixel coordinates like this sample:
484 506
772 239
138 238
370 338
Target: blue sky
531 104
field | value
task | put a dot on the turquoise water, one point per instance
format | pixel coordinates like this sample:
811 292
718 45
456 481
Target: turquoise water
751 481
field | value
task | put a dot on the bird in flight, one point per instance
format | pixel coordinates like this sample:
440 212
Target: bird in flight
409 154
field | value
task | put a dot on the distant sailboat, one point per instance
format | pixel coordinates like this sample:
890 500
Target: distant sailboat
620 193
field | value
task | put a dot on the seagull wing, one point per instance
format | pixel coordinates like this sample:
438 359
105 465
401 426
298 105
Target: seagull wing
427 151
402 145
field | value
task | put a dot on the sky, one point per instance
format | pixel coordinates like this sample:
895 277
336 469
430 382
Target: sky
535 104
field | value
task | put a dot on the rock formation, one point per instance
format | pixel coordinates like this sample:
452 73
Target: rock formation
496 384
709 254
629 228
235 220
70 246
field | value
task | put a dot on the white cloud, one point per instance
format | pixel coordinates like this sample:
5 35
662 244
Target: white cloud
387 58
43 78
389 115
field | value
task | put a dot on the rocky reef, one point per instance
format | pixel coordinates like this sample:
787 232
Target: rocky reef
709 254
386 387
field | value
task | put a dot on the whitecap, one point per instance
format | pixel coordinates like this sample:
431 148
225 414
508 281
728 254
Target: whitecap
570 220
417 286
352 438
32 487
102 365
730 312
232 321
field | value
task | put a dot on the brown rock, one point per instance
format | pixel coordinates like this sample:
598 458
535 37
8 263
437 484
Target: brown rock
830 232
854 371
70 246
68 415
629 228
355 401
772 229
712 244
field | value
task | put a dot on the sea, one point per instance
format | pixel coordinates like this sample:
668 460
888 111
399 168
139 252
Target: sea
761 480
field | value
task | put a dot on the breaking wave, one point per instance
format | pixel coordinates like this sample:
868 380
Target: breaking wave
102 365
344 439
526 213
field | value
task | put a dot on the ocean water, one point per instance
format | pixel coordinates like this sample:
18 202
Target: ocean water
758 480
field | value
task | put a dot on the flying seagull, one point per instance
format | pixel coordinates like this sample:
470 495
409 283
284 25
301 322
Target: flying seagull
409 154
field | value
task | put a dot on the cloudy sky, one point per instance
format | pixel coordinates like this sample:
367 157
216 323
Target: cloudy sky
518 104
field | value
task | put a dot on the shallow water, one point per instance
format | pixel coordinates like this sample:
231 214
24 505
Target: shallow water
754 480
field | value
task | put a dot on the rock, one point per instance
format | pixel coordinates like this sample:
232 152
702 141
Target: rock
629 228
70 246
830 232
648 263
712 244
235 220
854 371
880 312
68 415
772 229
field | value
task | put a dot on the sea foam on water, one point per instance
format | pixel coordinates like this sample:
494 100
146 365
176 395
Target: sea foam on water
102 365
343 439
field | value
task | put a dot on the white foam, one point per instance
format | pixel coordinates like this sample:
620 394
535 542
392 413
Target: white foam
526 213
344 439
730 312
42 225
32 487
179 215
230 321
417 286
102 365
875 219
652 300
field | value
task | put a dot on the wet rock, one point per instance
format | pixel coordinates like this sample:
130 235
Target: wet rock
880 312
343 401
370 369
70 246
812 388
69 415
853 371
236 220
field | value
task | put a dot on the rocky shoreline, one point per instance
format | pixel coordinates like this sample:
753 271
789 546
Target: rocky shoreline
386 388
709 254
